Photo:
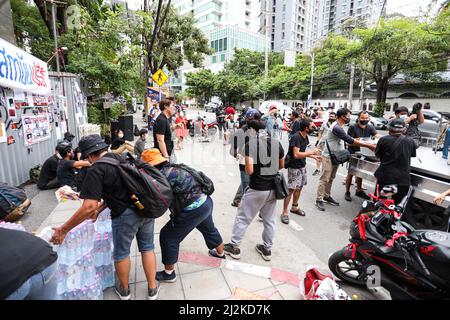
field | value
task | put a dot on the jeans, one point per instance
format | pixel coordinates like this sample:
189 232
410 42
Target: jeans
41 286
182 224
245 181
127 226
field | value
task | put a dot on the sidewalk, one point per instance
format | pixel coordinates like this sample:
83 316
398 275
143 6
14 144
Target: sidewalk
200 277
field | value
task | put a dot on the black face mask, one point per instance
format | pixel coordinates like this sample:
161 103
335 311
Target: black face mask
347 121
363 122
331 120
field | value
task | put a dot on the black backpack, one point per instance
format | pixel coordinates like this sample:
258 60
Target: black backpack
148 188
202 179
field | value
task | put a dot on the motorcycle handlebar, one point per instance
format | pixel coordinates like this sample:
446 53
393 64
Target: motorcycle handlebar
421 264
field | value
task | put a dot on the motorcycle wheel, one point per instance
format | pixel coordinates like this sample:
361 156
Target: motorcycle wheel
346 269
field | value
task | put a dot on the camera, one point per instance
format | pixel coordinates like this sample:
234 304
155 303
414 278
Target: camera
417 107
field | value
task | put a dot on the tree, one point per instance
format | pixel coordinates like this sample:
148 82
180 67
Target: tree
400 45
201 85
30 30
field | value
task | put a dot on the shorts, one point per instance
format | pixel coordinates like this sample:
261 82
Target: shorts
222 126
296 178
127 226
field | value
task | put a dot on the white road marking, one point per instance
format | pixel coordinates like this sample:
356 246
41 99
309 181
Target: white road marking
294 225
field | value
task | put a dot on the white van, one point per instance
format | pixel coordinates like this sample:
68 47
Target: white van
282 108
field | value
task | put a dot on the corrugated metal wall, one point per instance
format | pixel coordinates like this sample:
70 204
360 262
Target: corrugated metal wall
16 160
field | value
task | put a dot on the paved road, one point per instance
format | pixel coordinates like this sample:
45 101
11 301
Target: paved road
306 240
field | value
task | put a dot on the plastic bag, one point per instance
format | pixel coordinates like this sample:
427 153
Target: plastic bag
319 284
66 193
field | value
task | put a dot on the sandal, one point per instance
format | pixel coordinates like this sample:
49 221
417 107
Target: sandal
284 219
298 211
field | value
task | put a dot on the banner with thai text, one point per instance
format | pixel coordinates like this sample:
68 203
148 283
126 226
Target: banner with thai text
21 70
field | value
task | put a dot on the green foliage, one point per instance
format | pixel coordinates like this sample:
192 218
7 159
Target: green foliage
117 109
30 28
379 109
201 85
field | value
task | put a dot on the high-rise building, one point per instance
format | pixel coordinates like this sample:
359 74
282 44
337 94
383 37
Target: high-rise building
228 24
336 12
6 27
287 23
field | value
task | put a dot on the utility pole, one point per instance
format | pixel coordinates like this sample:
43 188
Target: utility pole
266 53
350 89
361 93
312 76
54 36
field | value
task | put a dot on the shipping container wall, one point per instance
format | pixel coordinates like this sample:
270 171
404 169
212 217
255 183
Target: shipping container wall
16 159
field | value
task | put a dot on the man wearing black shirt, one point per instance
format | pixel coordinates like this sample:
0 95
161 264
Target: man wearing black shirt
395 152
264 157
103 181
220 118
66 171
27 267
162 132
297 167
47 177
360 129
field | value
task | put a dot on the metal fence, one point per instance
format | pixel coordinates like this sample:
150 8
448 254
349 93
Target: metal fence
16 159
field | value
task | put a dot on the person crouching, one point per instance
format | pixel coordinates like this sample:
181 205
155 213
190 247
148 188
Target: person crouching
197 214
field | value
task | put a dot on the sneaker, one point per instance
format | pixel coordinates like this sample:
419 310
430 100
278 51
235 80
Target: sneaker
362 194
259 218
163 276
213 253
331 201
122 293
316 173
265 253
319 205
284 219
232 250
153 292
348 197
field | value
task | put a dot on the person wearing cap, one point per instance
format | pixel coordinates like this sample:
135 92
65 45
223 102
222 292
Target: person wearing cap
264 157
395 151
47 177
271 120
238 141
197 214
103 181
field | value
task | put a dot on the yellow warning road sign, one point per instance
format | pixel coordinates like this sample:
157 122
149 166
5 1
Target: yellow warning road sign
160 77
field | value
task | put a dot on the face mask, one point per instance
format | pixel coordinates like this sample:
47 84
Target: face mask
69 139
347 121
404 116
331 120
120 136
363 122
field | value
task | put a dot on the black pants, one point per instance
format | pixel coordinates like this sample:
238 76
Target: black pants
52 184
402 191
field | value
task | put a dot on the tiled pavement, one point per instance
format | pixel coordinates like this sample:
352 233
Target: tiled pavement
200 277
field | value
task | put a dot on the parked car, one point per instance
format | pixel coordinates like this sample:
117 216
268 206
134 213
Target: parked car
282 108
379 123
211 107
430 128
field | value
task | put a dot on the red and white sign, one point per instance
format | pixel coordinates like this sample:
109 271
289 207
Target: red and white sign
20 70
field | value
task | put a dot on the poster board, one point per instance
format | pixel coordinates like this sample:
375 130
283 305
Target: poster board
36 128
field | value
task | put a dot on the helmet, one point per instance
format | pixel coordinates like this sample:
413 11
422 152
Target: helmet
252 114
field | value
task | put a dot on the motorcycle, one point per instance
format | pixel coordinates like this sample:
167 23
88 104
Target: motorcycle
411 264
209 129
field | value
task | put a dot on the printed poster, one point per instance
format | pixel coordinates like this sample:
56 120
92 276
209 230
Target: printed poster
3 136
36 128
40 100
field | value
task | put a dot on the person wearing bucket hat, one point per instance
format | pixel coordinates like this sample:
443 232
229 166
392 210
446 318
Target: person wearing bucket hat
196 215
395 151
103 181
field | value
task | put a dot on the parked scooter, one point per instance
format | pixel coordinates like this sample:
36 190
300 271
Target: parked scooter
409 263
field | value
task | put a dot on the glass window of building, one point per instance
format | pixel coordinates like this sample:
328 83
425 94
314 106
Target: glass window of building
225 40
220 44
222 57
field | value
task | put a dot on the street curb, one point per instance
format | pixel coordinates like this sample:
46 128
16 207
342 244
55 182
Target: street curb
251 269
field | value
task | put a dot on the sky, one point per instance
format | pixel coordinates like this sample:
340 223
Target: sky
409 7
